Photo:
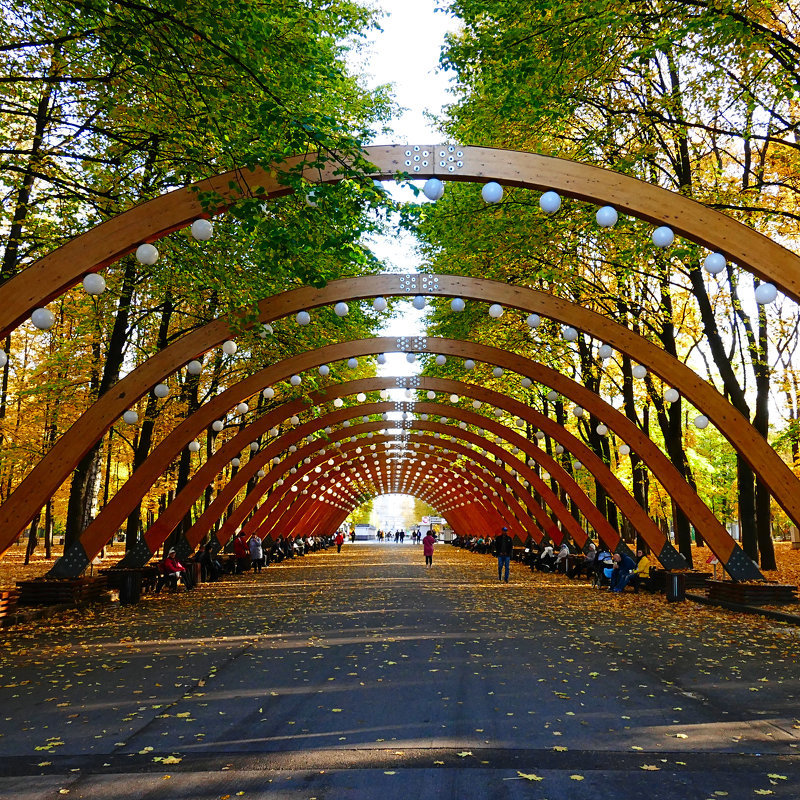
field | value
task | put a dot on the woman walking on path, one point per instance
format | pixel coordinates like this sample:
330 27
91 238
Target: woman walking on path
427 548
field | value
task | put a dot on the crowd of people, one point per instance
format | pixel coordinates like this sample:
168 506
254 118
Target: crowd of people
606 570
243 554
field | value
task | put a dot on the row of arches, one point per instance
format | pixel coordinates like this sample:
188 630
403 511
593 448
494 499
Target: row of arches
150 221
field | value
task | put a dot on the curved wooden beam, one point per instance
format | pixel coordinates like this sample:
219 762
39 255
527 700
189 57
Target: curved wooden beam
732 556
42 482
53 274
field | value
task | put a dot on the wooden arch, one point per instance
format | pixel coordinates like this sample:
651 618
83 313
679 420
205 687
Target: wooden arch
123 502
95 537
292 515
53 469
222 502
269 514
53 274
736 562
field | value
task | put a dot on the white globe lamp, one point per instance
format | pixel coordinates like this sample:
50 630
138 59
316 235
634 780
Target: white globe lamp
202 230
94 284
663 236
146 254
492 192
550 202
161 390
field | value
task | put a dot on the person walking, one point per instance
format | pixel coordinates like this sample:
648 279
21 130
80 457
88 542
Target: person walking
427 548
503 547
339 541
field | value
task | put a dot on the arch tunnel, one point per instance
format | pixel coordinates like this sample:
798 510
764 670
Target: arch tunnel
158 217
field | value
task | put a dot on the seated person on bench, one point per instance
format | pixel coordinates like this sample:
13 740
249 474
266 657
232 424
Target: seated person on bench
171 572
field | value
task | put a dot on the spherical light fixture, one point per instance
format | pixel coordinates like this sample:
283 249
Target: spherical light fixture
492 192
146 254
411 358
268 393
303 318
559 449
229 347
606 217
457 304
639 371
701 421
454 398
552 395
431 395
469 364
254 447
476 404
341 309
194 367
441 360
671 395
714 263
578 412
217 425
418 302
605 351
261 473
242 408
266 330
94 284
568 333
236 462
194 447
202 230
130 417
361 397
352 363
765 293
497 372
624 450
495 311
663 236
379 304
550 202
295 380
601 429
161 390
338 402
539 435
433 189
43 319
533 320
381 358
526 383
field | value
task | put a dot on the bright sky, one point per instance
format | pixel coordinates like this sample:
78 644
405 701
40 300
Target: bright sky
405 54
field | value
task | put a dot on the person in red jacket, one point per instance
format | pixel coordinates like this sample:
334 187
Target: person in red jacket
339 541
171 572
427 548
241 551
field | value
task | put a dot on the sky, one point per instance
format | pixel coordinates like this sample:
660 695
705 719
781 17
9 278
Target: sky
405 54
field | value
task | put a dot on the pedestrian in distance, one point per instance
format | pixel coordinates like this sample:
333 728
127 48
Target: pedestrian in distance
503 547
339 541
427 548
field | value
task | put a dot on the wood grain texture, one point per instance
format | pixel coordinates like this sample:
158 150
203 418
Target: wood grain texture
151 220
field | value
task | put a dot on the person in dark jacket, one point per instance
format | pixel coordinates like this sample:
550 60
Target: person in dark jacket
503 547
623 566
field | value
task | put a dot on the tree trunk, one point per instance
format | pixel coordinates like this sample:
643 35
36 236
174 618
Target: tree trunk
146 433
32 537
84 486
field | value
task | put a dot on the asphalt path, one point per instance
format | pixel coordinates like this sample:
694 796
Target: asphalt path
364 675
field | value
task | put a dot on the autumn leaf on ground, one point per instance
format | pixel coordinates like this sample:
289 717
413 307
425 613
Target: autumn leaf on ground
529 776
464 754
650 767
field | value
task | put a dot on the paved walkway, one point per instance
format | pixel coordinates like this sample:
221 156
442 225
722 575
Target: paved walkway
365 675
